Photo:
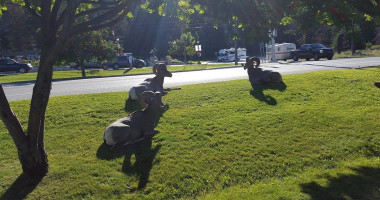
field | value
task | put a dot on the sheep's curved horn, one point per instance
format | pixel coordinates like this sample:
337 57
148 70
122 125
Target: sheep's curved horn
155 68
144 96
256 60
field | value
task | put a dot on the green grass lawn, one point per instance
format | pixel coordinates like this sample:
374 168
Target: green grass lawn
11 78
317 137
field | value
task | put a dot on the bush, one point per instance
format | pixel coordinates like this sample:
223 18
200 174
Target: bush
35 63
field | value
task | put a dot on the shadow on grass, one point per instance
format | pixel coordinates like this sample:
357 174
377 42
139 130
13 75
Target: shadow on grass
365 184
21 187
258 92
144 157
131 106
127 70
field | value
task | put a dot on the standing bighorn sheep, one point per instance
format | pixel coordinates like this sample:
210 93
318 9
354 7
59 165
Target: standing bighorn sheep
151 84
138 125
257 75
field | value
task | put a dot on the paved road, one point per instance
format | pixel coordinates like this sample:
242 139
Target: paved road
20 91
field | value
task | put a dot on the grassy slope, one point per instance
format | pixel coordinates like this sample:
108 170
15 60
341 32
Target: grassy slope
219 140
102 73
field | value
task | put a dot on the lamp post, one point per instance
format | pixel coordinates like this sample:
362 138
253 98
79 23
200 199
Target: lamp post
272 35
198 49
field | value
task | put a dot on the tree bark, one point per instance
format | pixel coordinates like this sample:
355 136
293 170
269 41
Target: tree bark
56 30
31 164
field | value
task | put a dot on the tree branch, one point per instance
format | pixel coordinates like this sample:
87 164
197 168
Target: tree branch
100 26
91 11
30 8
112 13
11 121
56 7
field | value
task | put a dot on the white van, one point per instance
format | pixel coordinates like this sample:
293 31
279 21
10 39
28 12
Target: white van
228 55
282 51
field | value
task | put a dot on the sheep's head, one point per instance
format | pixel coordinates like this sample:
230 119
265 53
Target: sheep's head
161 70
252 62
153 100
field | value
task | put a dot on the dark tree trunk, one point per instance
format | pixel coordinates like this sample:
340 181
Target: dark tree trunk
33 161
55 30
81 65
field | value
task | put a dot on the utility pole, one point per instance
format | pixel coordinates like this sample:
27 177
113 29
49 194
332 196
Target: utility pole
352 39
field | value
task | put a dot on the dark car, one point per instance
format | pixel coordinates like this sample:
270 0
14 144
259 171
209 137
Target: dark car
315 51
8 65
125 61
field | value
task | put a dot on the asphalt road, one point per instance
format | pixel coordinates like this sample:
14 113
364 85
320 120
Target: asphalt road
19 91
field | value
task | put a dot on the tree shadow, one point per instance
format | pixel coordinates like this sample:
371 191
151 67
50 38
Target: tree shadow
23 186
127 70
131 105
258 91
365 184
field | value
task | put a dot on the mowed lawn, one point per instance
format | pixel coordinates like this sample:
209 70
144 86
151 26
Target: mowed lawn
74 74
317 137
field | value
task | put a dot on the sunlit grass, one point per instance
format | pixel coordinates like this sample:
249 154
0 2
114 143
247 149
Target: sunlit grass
103 73
317 137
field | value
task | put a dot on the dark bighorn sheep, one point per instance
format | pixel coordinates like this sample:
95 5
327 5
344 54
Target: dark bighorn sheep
257 75
151 84
138 125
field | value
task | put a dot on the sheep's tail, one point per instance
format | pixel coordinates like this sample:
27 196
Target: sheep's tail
132 94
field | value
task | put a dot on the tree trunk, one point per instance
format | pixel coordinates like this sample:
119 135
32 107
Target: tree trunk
33 162
81 65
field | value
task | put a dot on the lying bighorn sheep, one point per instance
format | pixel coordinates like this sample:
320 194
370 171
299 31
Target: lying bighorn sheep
151 84
138 125
257 75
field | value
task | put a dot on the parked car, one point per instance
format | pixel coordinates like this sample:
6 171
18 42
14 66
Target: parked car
7 65
128 60
315 51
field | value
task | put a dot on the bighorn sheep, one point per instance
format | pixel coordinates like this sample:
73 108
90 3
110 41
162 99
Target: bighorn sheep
151 84
138 125
257 75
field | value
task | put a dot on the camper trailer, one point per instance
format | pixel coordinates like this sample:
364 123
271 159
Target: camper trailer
228 55
282 51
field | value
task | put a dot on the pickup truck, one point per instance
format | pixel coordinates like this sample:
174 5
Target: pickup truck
315 51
